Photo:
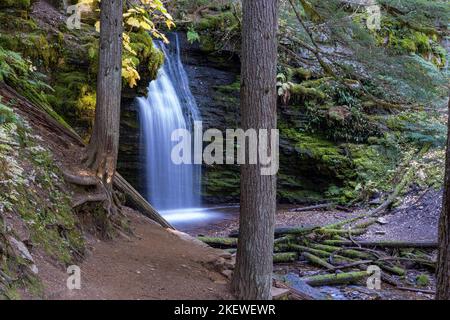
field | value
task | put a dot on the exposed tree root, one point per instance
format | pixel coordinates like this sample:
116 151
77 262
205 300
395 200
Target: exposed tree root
80 180
80 200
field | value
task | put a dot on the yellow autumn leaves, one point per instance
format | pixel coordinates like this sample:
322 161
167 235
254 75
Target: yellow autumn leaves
144 18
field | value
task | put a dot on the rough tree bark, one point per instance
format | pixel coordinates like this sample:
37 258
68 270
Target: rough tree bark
443 265
104 144
252 278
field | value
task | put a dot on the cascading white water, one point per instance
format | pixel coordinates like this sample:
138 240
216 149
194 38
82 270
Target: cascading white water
169 105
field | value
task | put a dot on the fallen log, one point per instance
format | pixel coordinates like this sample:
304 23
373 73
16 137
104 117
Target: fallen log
311 208
384 243
139 202
319 253
404 182
285 257
416 290
349 265
300 289
354 253
219 242
339 224
343 252
284 239
284 231
295 230
335 279
365 224
301 249
332 232
317 261
391 268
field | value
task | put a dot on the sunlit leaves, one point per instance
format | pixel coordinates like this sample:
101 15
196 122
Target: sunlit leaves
133 22
129 72
143 17
127 44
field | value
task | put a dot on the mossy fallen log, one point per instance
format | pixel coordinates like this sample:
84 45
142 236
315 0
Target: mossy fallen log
279 232
405 181
335 279
295 230
301 249
319 253
366 224
384 243
285 257
332 232
287 238
342 223
343 252
397 270
317 261
219 242
312 208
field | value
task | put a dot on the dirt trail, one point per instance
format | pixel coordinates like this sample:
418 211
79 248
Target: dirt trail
152 264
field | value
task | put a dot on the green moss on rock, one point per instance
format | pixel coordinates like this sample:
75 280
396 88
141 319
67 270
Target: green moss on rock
19 4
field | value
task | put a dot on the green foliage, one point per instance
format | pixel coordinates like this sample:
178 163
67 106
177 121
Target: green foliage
192 35
143 19
419 128
422 280
147 54
19 4
381 61
219 30
6 114
21 75
74 97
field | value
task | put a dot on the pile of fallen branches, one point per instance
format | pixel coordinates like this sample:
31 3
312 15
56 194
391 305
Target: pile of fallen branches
343 259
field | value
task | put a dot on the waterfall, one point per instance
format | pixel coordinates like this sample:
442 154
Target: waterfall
169 105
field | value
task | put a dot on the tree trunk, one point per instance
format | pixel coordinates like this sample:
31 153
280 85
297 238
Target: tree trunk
253 274
443 265
104 144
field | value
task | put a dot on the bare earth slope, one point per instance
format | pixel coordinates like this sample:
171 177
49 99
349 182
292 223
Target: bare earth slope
153 264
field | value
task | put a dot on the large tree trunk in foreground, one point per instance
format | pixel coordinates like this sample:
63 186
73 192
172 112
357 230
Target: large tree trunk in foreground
443 266
104 144
253 273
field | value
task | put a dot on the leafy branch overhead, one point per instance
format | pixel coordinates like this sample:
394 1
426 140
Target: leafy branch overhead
143 19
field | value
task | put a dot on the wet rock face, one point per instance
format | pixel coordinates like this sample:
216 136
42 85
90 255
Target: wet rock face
129 162
214 83
209 78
